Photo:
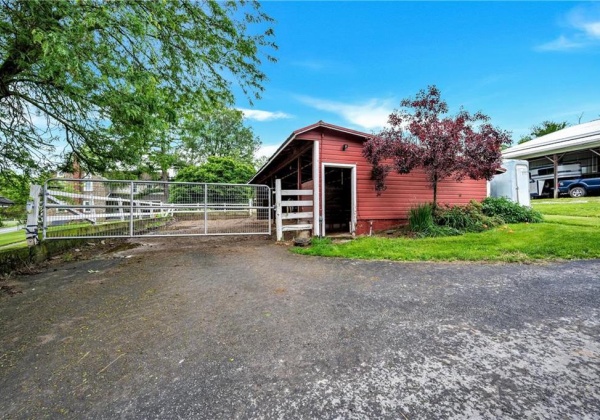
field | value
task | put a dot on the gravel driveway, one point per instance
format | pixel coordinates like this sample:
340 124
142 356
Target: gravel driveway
241 328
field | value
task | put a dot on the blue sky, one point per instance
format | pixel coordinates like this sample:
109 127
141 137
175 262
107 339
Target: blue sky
350 63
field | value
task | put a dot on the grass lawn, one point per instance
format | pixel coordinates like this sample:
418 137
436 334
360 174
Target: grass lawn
584 206
17 238
10 223
12 240
573 220
509 243
571 230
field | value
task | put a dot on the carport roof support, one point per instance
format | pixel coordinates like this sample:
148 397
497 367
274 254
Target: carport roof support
579 137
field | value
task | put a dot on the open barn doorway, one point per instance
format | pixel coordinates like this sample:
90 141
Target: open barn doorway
339 192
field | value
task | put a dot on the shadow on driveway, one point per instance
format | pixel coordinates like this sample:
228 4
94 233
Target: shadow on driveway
241 328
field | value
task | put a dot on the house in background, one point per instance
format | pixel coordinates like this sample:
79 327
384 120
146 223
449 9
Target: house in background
328 160
5 202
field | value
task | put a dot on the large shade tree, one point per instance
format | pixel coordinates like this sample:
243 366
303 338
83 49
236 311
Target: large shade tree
216 169
422 135
106 77
220 132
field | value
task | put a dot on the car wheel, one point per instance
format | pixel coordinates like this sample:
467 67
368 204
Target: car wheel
577 192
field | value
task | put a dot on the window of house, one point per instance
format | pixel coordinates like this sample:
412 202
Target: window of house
87 203
88 185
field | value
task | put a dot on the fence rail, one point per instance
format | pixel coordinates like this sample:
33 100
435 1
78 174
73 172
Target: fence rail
294 209
99 208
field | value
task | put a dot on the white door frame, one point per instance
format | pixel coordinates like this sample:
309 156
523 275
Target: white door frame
353 198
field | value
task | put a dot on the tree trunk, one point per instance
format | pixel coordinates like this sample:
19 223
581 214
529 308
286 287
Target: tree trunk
434 185
164 176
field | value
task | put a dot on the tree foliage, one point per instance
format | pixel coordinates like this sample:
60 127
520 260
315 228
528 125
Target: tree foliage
421 134
220 132
15 187
218 170
224 170
539 130
104 77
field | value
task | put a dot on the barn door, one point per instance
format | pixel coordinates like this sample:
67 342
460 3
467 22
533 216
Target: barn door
339 198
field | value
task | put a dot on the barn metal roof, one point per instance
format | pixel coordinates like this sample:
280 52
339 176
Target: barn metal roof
578 137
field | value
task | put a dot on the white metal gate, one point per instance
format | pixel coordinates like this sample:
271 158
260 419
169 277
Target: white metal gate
99 208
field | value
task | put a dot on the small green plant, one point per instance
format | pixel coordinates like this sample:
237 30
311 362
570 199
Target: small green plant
420 217
318 241
509 211
422 223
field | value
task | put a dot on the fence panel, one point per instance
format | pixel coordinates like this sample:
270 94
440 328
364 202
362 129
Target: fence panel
98 208
291 205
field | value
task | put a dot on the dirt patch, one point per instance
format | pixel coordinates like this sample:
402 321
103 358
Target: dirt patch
19 280
9 290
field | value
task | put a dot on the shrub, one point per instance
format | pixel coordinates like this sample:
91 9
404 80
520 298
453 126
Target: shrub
420 217
468 218
447 220
509 211
421 221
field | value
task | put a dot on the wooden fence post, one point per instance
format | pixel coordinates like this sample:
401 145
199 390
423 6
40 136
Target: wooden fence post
278 221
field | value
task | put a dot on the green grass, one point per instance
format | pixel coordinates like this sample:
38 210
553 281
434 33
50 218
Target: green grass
11 238
571 230
583 207
10 223
573 220
509 243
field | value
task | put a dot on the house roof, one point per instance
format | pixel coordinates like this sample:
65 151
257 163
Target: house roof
570 139
6 202
300 131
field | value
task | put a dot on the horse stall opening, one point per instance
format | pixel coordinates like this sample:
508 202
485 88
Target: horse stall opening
338 199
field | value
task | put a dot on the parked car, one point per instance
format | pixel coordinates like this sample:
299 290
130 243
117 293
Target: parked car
541 179
579 187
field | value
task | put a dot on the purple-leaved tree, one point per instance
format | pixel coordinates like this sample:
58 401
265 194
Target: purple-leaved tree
422 134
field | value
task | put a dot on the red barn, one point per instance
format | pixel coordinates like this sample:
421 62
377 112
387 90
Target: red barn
328 160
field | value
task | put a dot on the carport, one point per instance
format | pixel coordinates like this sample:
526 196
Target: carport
570 152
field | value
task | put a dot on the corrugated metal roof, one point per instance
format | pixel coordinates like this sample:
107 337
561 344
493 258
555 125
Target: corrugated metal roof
570 139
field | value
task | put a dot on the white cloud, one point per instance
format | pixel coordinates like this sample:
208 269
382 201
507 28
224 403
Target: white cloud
592 29
585 19
372 114
561 43
266 150
259 115
316 64
582 30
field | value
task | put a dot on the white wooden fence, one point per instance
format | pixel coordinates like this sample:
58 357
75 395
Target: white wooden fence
283 210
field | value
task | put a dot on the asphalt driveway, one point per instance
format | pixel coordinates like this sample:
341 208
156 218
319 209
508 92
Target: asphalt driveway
230 328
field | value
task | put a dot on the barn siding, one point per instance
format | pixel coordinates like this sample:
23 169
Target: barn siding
391 207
